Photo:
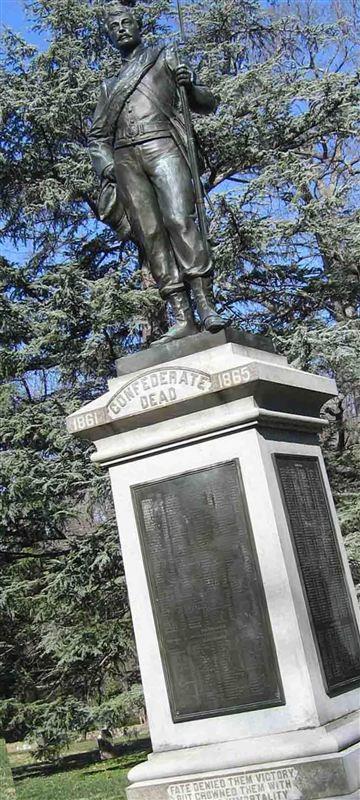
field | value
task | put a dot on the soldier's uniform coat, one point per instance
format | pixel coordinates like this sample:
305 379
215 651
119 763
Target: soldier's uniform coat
137 129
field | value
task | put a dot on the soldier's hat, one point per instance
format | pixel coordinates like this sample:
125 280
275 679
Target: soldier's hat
114 7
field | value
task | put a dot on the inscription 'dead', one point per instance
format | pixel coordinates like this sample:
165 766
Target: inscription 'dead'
165 385
158 388
321 569
207 595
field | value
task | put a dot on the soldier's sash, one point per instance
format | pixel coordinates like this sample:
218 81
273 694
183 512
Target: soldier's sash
110 208
127 82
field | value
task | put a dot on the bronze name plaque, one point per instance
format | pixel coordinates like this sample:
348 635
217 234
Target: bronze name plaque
207 595
321 569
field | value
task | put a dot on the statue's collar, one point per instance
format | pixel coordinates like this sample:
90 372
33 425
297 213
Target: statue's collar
134 54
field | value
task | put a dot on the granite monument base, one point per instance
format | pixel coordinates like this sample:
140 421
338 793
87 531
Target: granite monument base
312 778
241 597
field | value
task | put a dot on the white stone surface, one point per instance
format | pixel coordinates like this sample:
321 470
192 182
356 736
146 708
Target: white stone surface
343 704
219 425
207 423
303 687
301 744
120 432
307 778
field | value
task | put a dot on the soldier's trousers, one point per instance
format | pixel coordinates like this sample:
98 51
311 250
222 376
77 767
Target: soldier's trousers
155 186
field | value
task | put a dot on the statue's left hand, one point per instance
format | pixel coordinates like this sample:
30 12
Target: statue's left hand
183 75
109 173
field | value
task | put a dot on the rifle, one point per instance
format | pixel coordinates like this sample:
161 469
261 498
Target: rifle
191 145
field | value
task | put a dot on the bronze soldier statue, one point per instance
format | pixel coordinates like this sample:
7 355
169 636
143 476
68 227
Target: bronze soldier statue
139 152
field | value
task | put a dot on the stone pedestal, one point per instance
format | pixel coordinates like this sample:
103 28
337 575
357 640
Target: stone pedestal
240 592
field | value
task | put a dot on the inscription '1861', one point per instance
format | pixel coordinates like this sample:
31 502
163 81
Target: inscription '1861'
207 595
321 569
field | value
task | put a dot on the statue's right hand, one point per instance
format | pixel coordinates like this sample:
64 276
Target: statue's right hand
109 173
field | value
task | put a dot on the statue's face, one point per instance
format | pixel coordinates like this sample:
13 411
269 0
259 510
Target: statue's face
124 31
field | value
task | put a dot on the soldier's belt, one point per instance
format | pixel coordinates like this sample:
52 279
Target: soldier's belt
128 134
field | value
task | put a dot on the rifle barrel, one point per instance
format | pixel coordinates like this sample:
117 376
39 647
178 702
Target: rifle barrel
181 21
192 152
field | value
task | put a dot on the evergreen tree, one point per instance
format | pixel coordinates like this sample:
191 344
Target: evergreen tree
282 172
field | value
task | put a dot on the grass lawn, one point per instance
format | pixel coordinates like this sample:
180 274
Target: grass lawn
78 776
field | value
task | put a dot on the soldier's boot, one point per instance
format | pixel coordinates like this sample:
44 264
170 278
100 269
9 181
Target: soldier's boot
204 301
184 320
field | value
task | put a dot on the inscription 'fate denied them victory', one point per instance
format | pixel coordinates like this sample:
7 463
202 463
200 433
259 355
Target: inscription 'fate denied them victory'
277 784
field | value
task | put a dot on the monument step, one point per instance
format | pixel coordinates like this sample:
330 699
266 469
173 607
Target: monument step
191 344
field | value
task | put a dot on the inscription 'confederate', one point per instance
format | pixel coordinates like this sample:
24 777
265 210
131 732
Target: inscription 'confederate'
158 387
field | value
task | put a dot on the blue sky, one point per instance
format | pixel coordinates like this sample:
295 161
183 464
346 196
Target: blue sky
13 15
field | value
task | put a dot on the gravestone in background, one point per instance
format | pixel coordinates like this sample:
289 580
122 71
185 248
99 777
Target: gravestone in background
7 788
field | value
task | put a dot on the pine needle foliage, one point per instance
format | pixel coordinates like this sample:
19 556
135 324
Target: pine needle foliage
282 170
